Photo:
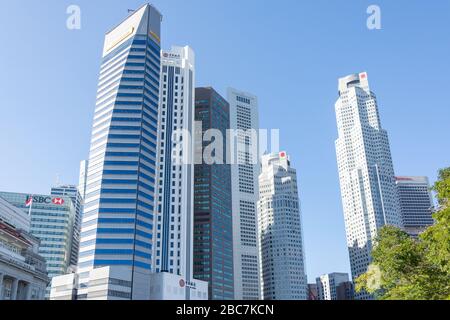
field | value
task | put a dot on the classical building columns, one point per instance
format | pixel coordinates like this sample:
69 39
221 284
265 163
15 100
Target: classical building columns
14 288
28 291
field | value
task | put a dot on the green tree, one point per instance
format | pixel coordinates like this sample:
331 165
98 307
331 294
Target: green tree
404 268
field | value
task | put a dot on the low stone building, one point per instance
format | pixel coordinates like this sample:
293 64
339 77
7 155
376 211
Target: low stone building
23 272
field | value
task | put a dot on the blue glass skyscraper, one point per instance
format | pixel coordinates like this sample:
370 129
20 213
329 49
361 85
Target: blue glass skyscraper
115 258
213 217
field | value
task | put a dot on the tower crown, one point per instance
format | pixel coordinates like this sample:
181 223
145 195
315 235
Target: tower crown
354 80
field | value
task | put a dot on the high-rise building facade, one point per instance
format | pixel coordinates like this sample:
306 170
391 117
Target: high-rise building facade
118 218
345 291
74 194
244 122
280 231
213 220
52 222
175 171
334 286
416 203
366 171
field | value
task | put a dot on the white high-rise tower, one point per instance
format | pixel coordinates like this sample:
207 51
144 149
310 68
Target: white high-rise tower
175 177
245 194
280 231
174 192
366 172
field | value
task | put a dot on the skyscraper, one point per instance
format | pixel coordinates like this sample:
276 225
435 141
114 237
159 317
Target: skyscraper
244 122
175 177
416 203
366 171
118 218
334 286
213 220
74 194
280 231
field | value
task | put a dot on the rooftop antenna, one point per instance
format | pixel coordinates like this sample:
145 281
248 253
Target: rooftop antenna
57 179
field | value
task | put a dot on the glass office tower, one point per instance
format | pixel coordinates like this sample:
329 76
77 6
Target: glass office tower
416 203
74 194
213 221
117 227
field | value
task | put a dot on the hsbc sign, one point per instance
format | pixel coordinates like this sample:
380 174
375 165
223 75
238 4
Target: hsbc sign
58 201
44 200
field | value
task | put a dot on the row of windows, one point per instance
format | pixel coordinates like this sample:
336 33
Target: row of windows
101 263
101 231
138 243
116 252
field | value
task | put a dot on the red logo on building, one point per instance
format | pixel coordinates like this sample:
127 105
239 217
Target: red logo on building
29 201
58 201
182 283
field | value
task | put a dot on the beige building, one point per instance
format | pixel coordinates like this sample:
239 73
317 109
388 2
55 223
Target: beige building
23 273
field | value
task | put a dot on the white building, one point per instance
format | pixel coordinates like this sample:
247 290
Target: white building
416 203
244 122
64 287
175 170
280 231
334 286
169 286
366 172
111 284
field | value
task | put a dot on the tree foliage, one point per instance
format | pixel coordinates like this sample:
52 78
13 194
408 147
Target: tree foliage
404 268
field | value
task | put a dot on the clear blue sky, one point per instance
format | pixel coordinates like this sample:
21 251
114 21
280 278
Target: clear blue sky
289 53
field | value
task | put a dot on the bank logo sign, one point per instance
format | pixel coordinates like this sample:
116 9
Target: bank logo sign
188 284
58 201
43 200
